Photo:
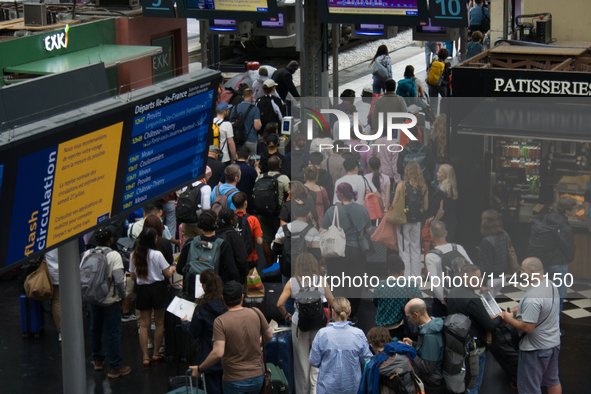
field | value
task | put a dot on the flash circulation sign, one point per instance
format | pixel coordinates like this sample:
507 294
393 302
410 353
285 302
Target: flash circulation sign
85 167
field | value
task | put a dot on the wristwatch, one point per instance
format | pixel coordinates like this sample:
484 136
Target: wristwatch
199 370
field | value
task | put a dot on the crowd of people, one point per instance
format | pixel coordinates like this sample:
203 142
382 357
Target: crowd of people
254 195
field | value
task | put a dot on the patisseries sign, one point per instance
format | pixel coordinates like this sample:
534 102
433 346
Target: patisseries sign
542 86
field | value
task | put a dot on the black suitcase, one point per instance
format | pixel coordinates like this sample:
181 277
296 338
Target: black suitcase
272 293
503 350
178 345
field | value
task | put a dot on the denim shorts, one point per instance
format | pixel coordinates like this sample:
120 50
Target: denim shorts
537 368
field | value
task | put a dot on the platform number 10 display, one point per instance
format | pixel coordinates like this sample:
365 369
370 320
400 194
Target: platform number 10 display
453 6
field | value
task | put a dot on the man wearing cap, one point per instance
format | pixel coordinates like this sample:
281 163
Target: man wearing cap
108 313
237 341
226 137
284 79
270 106
257 86
216 166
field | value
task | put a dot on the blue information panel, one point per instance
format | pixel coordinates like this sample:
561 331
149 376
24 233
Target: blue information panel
167 146
450 13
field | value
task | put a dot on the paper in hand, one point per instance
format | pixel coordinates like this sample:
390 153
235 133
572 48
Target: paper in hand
491 306
181 308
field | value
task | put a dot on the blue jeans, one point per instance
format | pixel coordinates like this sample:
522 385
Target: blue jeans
109 315
430 51
247 386
290 303
378 85
481 362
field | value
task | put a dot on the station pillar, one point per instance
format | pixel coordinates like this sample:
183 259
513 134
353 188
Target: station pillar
314 53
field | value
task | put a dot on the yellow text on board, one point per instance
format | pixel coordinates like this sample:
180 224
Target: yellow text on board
85 175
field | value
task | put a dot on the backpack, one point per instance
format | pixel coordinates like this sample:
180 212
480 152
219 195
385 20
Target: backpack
451 265
93 276
293 245
456 353
406 88
238 126
202 255
188 206
420 156
221 200
265 195
243 229
397 376
268 114
215 128
413 201
436 73
311 315
542 241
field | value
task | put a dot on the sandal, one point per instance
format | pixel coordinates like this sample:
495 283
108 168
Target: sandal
157 358
147 363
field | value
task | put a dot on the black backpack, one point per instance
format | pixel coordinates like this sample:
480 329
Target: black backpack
293 245
420 156
268 114
458 372
238 126
265 195
542 241
189 204
242 227
451 265
311 311
413 203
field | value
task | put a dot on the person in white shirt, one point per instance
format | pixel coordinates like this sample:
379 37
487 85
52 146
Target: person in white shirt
433 262
357 182
52 266
227 145
190 230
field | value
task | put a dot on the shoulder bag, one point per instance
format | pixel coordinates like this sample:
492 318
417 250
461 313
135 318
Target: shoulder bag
379 71
332 240
398 215
363 238
385 234
371 202
38 285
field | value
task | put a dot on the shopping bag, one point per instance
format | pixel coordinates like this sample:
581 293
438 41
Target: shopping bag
385 234
38 285
332 240
254 285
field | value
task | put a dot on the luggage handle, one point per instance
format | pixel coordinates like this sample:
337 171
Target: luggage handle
190 385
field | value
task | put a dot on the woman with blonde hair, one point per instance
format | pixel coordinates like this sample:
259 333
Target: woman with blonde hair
339 351
415 193
438 143
494 250
443 202
307 277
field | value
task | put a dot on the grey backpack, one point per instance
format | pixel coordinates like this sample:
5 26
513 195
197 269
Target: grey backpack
202 255
457 368
93 276
398 376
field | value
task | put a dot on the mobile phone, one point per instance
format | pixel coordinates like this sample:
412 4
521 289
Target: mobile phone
256 157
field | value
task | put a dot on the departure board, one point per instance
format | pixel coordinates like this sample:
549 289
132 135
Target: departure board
62 177
387 12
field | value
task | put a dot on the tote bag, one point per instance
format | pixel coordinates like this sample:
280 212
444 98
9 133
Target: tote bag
38 285
380 71
332 240
371 202
385 234
397 214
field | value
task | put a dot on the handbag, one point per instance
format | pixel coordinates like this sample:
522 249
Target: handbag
268 379
371 202
332 240
254 285
38 285
426 233
129 286
513 261
380 71
397 214
363 238
385 234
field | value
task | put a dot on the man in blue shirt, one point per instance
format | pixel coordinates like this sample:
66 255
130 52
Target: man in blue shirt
252 123
248 176
232 174
476 16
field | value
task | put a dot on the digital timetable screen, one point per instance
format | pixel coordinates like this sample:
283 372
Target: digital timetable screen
86 167
387 12
250 10
374 7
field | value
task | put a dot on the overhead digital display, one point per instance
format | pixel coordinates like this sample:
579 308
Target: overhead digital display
70 173
388 12
251 10
274 23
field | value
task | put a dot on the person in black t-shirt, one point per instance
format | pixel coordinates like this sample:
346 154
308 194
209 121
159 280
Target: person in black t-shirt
217 167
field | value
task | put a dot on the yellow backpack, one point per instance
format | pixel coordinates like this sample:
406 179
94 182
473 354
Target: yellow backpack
215 127
436 73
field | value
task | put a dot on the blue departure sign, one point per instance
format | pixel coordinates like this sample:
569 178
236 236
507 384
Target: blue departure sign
449 13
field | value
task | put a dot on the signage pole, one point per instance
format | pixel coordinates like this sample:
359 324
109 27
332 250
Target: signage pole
73 357
336 41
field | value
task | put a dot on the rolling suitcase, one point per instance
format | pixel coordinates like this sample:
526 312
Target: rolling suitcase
32 316
280 384
280 352
272 293
179 345
184 385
